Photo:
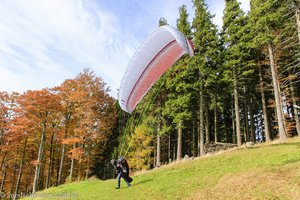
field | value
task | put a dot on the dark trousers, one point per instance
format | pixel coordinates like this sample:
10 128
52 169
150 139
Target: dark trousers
121 174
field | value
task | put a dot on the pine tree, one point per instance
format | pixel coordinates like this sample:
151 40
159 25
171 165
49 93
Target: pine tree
183 24
179 86
233 32
205 60
162 21
178 100
267 21
290 48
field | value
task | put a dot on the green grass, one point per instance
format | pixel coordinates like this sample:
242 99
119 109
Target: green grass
268 171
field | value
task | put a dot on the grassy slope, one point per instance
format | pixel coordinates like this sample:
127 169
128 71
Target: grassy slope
265 172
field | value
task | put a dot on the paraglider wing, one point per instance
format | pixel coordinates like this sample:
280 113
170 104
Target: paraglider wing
162 48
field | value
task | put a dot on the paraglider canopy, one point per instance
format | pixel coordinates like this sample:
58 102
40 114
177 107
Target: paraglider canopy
162 48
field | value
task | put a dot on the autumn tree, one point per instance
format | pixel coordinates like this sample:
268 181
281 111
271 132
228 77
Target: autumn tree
140 146
89 118
40 107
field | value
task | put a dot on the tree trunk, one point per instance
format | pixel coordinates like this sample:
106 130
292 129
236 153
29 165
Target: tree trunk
298 22
169 148
174 152
193 139
296 117
48 179
28 180
247 138
1 136
61 163
20 170
198 138
179 141
39 160
79 168
3 177
281 131
3 160
87 171
79 171
1 133
271 126
215 119
68 118
13 181
158 147
264 107
72 164
40 184
207 124
154 157
252 120
201 123
233 126
188 142
236 108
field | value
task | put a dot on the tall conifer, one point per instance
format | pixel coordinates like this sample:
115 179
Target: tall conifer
177 105
267 21
233 32
204 61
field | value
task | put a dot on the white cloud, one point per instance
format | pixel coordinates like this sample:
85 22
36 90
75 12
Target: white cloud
44 42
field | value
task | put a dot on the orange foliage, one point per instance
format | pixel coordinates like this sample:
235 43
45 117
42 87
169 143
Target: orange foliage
71 141
76 153
78 114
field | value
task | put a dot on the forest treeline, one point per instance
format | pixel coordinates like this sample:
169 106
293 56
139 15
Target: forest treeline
57 135
242 85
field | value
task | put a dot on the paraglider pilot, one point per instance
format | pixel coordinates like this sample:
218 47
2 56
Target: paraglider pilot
122 169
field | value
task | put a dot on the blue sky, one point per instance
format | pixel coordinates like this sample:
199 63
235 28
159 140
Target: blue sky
42 43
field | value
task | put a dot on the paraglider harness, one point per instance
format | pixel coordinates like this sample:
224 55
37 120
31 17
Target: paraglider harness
121 165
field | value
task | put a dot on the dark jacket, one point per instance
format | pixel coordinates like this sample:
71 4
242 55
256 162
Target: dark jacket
121 165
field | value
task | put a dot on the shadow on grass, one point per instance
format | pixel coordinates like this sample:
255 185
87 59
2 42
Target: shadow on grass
141 182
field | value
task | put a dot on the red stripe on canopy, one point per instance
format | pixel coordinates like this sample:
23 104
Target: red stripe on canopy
158 65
